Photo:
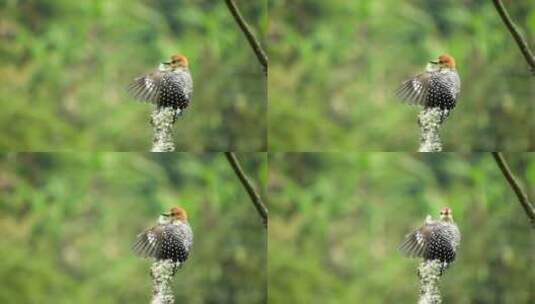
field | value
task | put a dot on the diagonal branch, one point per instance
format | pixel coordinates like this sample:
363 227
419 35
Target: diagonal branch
521 195
255 197
255 45
522 44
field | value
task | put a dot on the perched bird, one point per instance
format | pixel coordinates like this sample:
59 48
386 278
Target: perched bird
170 85
435 240
170 239
438 87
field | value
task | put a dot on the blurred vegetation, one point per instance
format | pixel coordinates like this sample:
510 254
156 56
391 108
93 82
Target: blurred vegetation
68 222
65 64
337 219
336 64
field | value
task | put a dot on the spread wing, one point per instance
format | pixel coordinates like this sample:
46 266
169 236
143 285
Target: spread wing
146 88
414 244
414 90
147 244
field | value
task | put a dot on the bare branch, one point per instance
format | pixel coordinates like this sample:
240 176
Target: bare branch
521 195
255 45
253 194
522 44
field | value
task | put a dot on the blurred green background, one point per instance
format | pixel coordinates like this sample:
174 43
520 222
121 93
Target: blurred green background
64 66
337 219
336 64
68 222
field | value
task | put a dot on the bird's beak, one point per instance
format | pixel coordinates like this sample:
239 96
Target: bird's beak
166 214
167 62
433 62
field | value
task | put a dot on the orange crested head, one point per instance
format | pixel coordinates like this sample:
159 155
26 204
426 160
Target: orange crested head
178 213
446 61
179 61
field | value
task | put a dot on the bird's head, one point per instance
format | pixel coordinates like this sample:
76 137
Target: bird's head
177 214
177 62
445 215
444 61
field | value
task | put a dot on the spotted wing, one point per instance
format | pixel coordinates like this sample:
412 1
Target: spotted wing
146 88
415 244
414 90
147 243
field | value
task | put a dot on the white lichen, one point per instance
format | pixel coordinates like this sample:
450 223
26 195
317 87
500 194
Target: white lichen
162 273
430 120
429 273
162 121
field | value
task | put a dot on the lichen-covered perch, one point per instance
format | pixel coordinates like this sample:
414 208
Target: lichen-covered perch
429 272
162 273
430 120
162 121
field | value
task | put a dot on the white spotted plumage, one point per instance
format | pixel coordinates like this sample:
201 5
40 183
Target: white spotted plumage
438 89
168 86
435 240
164 241
435 88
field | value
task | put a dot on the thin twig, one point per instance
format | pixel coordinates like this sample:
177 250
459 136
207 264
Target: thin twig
255 197
255 45
520 194
522 44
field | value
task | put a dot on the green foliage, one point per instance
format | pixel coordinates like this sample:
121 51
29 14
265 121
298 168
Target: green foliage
336 64
68 222
337 219
65 65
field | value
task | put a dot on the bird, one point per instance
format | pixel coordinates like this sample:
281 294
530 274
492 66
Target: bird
171 85
170 239
438 87
434 240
